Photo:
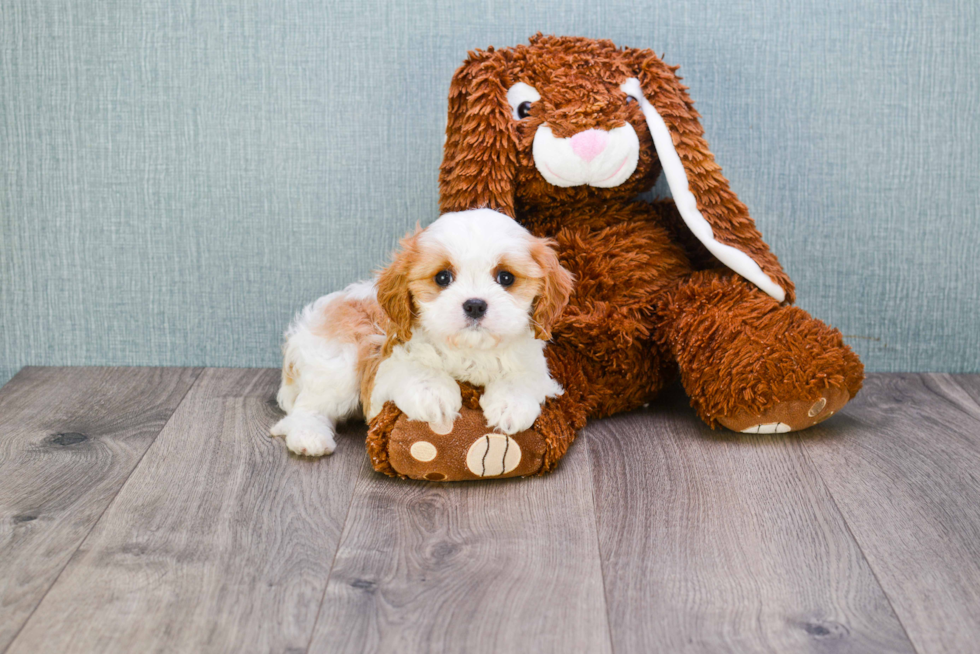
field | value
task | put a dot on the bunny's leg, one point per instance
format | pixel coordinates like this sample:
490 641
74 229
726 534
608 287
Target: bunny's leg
751 364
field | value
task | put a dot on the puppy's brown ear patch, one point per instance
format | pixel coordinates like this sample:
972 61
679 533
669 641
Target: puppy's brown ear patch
556 287
394 294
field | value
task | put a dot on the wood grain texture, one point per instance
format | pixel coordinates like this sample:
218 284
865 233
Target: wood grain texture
499 566
726 543
693 542
904 468
69 439
219 541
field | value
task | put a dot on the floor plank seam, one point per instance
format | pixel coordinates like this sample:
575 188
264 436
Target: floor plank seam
54 582
598 546
333 561
850 532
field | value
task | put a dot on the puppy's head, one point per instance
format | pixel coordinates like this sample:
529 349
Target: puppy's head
474 279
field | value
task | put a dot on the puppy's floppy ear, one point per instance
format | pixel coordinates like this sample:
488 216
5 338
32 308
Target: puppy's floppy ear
480 155
556 289
394 295
702 195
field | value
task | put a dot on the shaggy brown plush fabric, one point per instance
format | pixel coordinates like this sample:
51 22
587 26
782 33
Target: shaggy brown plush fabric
650 300
727 336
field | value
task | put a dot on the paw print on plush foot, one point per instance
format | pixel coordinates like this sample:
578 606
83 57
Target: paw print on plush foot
471 450
789 415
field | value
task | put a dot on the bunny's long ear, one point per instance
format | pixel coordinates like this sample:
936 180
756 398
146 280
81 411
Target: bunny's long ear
480 155
707 205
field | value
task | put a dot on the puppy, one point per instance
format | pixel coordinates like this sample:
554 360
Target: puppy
471 298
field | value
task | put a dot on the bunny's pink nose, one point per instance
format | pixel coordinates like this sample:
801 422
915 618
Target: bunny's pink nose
590 143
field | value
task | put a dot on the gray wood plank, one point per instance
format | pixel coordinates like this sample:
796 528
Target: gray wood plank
497 566
712 542
69 439
903 464
219 541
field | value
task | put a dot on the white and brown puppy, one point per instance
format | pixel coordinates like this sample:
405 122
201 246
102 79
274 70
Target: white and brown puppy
470 298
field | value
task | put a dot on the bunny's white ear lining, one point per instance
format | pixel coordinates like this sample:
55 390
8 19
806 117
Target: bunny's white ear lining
686 203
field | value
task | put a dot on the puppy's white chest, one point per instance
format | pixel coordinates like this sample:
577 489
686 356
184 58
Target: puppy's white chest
479 368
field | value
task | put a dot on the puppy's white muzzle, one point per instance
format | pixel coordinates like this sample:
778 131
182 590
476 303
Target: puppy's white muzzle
599 158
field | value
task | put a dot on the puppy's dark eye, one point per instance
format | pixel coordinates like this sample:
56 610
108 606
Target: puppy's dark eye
630 99
523 110
505 278
444 278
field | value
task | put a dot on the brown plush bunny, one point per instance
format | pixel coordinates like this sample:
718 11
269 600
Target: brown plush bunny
563 134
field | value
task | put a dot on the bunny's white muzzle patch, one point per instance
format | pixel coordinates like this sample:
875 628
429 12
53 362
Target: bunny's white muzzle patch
599 158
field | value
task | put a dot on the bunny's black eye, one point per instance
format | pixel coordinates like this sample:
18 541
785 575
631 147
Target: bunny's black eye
505 278
521 97
444 278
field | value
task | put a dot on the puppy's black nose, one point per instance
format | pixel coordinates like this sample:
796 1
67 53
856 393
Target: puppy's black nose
475 308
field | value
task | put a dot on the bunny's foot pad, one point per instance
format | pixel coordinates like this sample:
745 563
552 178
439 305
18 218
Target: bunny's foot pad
787 416
470 451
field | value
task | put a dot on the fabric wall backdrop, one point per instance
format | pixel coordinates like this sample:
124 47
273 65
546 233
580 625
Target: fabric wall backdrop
178 177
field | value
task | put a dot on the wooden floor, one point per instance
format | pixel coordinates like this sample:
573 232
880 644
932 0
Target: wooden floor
146 509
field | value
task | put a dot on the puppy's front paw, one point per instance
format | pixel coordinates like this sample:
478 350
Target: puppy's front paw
509 412
436 401
306 435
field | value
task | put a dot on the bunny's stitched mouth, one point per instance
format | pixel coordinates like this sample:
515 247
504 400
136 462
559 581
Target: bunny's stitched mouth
618 170
606 179
570 183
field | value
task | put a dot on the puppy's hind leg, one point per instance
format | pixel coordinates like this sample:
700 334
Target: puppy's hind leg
321 383
323 392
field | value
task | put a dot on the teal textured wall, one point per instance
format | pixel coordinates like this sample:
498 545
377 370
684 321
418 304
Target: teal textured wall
178 177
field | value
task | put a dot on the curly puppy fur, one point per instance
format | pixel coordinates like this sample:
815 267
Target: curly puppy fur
652 298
